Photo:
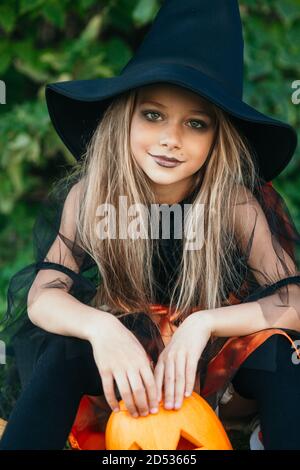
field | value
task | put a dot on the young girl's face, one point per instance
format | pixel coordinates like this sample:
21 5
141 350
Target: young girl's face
180 124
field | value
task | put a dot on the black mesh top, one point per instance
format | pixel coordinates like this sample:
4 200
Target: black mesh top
17 330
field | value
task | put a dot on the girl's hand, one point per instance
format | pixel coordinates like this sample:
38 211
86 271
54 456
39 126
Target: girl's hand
119 355
177 364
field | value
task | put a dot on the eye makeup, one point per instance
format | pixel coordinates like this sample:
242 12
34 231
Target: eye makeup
204 125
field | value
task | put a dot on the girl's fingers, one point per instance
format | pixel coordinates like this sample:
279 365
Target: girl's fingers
138 391
109 391
159 377
180 378
190 372
169 382
148 379
126 393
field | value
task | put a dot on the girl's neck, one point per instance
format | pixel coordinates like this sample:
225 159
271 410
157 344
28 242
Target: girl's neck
168 195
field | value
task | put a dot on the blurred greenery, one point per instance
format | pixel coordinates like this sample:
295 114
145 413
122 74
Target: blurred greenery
44 41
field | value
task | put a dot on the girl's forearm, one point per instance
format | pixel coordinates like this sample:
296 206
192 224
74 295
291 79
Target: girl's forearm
57 311
247 318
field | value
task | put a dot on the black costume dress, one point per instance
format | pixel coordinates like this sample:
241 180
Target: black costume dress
221 357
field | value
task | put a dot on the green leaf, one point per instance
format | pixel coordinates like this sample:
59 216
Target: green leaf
288 9
24 49
30 5
293 39
55 13
55 59
20 142
92 29
118 52
32 70
85 4
28 60
5 56
8 16
144 11
119 16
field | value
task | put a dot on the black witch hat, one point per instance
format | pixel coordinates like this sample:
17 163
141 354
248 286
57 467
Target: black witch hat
196 44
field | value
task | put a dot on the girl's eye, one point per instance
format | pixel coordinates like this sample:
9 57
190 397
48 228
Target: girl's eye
201 124
149 112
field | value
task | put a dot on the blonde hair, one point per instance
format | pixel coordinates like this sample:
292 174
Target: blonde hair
108 170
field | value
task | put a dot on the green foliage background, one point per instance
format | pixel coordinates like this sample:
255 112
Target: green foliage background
43 41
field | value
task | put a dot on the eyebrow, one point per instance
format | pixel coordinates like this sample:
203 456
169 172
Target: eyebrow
198 111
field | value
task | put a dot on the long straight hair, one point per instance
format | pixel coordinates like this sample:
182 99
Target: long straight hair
108 170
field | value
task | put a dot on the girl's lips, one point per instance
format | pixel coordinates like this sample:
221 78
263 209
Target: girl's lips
163 162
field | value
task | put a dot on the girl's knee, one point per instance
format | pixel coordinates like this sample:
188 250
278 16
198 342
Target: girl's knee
80 371
275 350
288 362
54 359
265 367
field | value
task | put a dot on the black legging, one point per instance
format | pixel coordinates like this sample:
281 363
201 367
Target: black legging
46 409
277 395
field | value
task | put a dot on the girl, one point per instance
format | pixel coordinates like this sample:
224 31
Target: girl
150 320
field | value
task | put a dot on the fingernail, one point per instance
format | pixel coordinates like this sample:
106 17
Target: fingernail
178 404
187 394
168 404
135 415
154 410
116 410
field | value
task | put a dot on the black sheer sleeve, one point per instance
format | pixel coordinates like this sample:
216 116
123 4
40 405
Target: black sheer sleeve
270 242
59 260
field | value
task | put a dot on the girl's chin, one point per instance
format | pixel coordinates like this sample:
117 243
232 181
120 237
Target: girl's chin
158 179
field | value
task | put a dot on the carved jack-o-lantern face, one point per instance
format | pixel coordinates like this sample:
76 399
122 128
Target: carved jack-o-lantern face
194 426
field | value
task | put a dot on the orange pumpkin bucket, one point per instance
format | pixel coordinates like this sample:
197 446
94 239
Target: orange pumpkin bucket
194 426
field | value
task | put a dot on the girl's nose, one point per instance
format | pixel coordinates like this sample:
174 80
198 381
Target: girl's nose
171 139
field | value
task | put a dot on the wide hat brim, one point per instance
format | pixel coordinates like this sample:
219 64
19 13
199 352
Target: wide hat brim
76 107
